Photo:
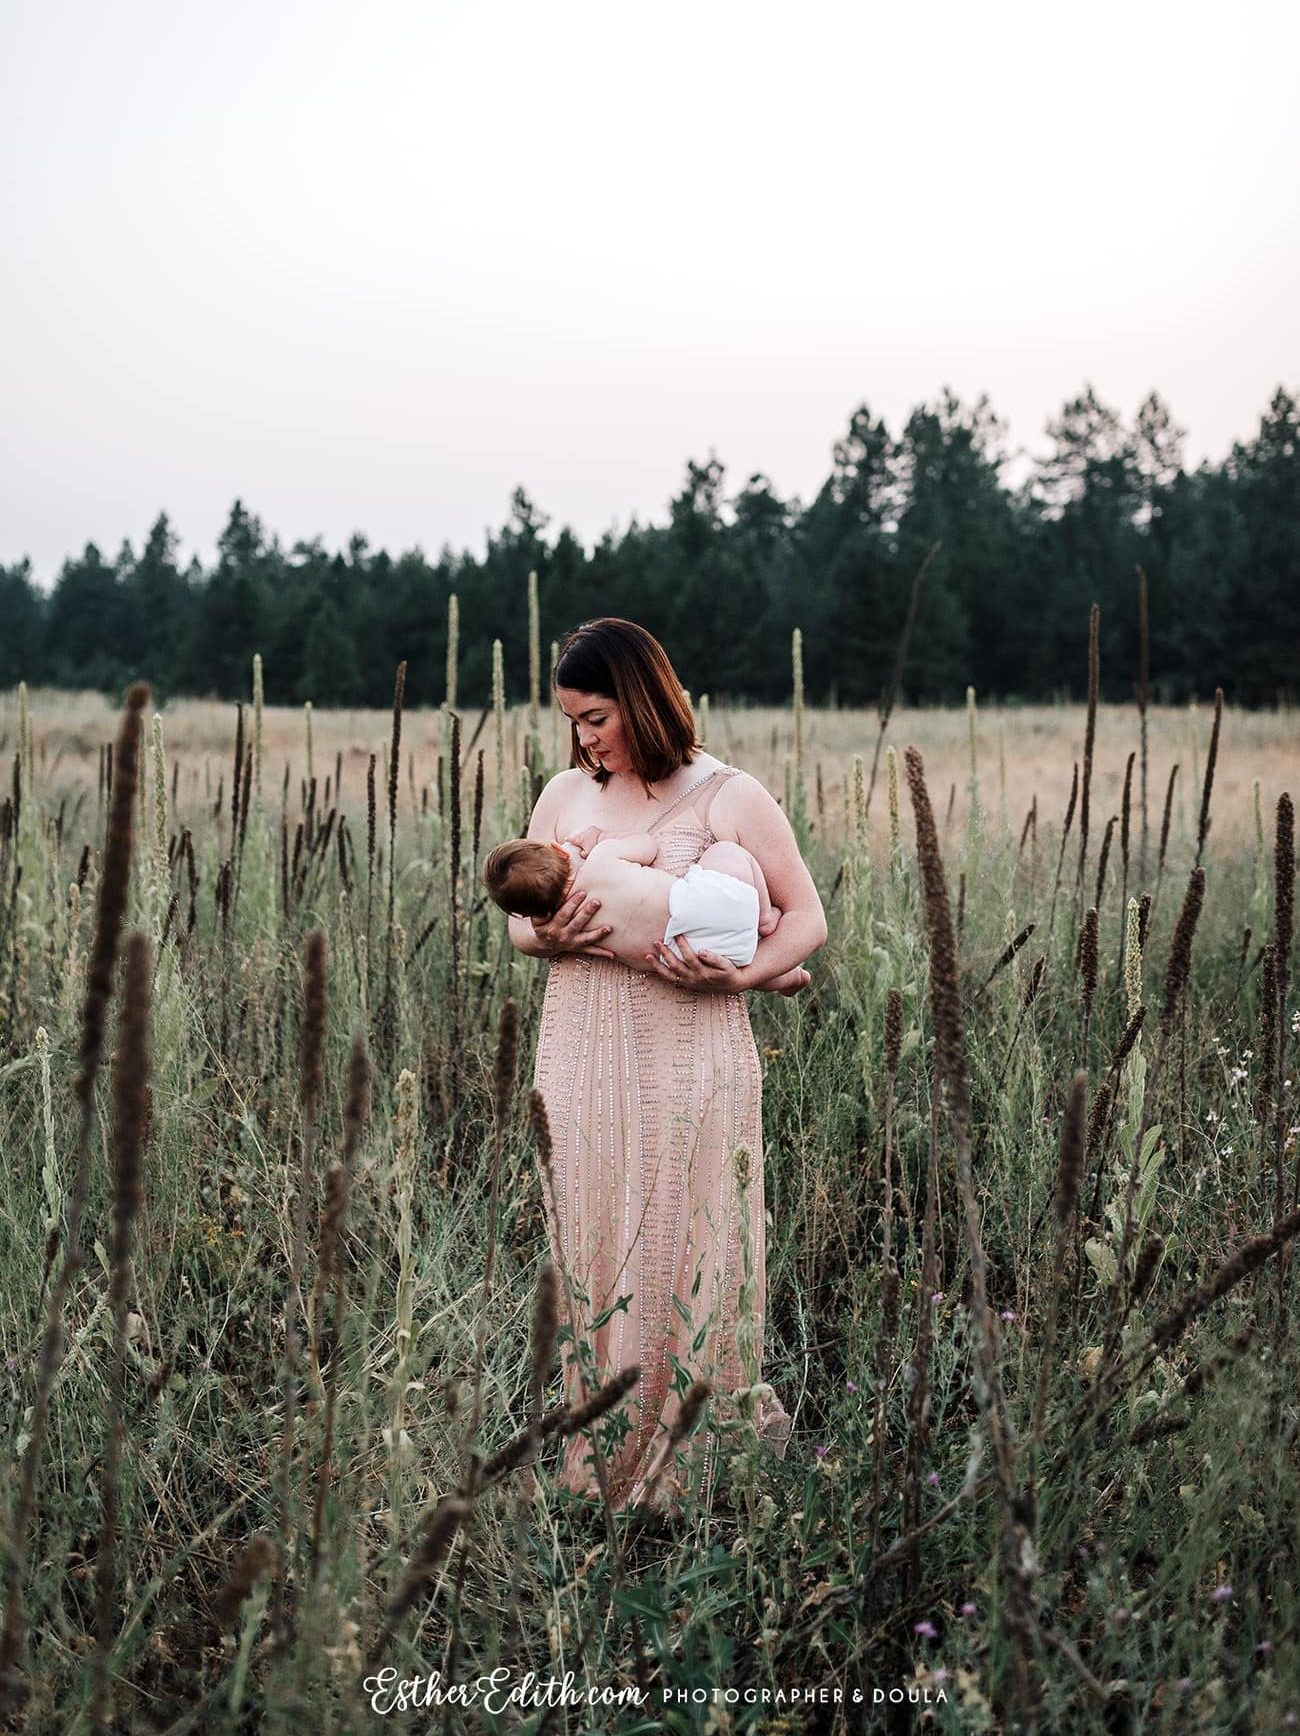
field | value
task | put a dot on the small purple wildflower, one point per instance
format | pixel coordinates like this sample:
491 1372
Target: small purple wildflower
926 1629
1221 1594
938 1296
820 1452
1007 1314
932 1478
967 1609
940 1674
1264 1647
851 1385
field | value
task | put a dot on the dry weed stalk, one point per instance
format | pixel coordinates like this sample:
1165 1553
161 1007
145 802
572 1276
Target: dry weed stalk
950 1061
1142 692
890 1280
896 675
1203 829
1089 734
331 1266
1069 1179
310 1081
130 1110
110 912
1065 837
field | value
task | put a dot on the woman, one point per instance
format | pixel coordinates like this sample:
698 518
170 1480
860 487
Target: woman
651 1079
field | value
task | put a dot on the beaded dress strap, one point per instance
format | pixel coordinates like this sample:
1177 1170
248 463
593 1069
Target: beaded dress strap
699 784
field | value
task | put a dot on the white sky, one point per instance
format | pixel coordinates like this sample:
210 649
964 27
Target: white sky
369 266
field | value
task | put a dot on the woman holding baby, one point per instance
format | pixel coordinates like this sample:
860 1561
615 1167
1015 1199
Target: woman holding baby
648 1069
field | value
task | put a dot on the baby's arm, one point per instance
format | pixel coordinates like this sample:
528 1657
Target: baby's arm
586 840
636 847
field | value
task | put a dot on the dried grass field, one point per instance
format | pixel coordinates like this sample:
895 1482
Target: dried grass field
280 1380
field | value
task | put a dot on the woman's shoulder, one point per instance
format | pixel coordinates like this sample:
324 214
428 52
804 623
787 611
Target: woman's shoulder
740 794
557 795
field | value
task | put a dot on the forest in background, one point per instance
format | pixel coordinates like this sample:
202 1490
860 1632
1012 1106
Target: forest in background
1003 604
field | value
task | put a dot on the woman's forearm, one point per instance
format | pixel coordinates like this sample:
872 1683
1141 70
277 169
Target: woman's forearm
796 937
523 936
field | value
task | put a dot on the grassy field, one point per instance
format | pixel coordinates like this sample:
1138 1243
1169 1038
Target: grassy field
1043 1367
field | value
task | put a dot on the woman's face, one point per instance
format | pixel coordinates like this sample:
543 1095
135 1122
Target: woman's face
600 727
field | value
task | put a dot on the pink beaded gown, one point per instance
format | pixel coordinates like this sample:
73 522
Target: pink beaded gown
649 1089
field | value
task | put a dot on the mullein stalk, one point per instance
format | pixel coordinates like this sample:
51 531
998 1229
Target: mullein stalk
1164 830
257 725
394 768
896 674
534 662
1065 835
499 733
890 1279
1124 830
453 650
797 807
401 1452
1203 828
1132 960
507 1058
950 1062
1069 1176
1142 690
130 1113
114 887
556 713
162 872
975 815
1090 732
311 1049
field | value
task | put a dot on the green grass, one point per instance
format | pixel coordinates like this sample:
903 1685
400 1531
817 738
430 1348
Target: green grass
775 1583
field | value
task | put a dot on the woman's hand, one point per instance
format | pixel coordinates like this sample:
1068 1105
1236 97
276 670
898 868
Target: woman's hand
573 928
701 971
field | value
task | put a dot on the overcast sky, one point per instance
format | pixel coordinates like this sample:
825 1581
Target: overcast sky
370 266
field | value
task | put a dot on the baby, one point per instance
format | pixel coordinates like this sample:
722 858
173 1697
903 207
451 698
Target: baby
720 905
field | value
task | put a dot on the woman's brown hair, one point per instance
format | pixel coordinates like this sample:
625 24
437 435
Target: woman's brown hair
527 878
621 661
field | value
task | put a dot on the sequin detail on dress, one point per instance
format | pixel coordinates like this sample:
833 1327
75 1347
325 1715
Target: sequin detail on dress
649 1090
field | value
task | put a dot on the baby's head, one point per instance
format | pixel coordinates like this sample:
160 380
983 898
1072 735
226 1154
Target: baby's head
528 878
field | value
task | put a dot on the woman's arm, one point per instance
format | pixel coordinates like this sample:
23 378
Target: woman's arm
745 813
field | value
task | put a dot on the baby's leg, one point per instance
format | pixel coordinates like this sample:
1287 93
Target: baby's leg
728 858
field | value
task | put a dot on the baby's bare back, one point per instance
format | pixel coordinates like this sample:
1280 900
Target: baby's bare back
633 900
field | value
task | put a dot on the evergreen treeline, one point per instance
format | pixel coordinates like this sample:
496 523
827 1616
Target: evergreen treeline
1004 602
